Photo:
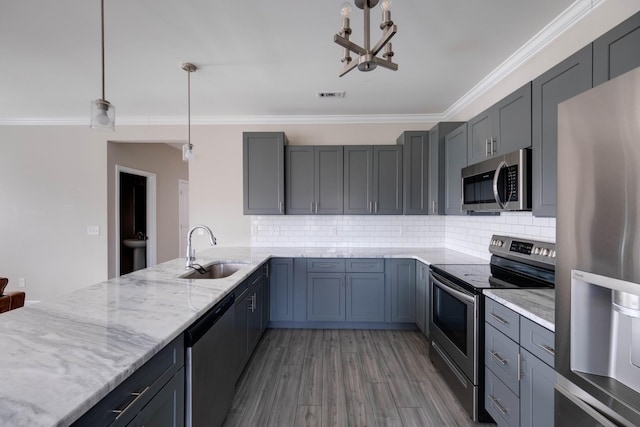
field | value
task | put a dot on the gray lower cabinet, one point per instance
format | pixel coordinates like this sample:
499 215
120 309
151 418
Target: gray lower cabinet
422 297
455 158
326 297
263 173
373 180
566 80
502 128
314 179
365 297
402 278
519 375
281 289
617 52
154 392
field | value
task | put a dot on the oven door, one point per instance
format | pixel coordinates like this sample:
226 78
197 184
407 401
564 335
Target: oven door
454 323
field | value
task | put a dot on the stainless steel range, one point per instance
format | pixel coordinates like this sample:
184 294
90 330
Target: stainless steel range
456 321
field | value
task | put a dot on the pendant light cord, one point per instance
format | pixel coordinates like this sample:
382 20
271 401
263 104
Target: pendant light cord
189 105
102 25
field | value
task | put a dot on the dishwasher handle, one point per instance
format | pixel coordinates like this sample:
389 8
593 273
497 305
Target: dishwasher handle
202 325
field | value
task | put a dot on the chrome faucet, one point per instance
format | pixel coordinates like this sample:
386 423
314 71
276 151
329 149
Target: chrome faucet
191 253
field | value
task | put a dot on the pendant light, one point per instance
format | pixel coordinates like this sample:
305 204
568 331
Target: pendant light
103 114
187 149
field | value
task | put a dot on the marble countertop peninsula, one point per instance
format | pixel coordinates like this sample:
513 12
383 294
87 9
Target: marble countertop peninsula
538 305
59 357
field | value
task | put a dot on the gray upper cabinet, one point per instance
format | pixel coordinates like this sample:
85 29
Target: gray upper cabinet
263 173
567 79
437 174
415 146
455 147
373 179
314 178
617 51
503 128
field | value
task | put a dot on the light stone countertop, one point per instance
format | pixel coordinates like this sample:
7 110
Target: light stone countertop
59 357
537 305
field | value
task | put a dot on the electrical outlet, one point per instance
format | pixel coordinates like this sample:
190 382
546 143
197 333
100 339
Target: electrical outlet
93 230
22 282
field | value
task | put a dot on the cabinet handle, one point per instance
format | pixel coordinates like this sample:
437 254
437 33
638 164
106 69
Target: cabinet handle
498 406
486 148
316 207
491 147
370 207
499 319
311 208
496 356
433 206
375 207
137 395
519 366
548 349
281 206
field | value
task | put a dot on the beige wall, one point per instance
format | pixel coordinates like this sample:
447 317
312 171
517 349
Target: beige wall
164 161
53 179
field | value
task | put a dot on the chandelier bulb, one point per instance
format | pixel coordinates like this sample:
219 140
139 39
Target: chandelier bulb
345 10
385 5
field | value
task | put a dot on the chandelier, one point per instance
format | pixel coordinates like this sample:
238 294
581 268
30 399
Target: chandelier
367 55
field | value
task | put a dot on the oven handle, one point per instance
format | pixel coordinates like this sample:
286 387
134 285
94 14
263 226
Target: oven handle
449 287
496 176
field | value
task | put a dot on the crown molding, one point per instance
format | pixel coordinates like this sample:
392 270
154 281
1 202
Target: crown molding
573 14
567 19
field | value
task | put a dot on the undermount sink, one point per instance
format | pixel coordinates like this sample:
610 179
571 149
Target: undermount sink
216 270
134 243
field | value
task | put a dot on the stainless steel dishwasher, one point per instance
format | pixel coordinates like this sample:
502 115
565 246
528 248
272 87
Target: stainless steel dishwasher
210 381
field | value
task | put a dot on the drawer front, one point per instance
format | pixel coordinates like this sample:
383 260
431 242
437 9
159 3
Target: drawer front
501 357
538 341
502 318
325 265
365 265
500 402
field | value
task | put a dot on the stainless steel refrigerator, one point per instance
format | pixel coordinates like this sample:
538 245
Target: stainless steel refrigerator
598 261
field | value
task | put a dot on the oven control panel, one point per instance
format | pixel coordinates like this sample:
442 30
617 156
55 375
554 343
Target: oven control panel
544 252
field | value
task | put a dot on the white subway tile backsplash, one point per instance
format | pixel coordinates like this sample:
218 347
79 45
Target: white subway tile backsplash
467 234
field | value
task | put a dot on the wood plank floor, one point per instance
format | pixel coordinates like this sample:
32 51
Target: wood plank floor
306 377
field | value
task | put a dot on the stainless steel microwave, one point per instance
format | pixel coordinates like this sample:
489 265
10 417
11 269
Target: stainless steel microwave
502 183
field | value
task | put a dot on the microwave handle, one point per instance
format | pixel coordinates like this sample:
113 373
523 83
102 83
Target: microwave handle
496 175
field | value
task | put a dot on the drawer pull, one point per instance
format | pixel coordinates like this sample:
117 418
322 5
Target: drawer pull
548 349
137 395
519 366
325 265
498 406
499 319
498 358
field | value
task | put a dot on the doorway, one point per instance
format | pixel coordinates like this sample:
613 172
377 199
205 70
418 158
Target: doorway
135 230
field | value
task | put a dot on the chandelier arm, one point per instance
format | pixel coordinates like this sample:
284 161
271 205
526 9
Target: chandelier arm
386 36
386 64
348 44
350 66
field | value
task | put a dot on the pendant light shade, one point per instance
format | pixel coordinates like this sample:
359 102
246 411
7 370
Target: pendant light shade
103 114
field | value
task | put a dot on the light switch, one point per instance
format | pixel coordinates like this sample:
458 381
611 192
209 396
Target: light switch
93 230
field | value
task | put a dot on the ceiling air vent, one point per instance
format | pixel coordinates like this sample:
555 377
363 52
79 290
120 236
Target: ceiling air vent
331 94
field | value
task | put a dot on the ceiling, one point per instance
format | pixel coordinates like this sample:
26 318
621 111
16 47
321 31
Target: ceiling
255 58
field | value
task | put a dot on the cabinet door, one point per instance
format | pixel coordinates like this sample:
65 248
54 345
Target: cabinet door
617 52
365 297
536 391
325 297
415 147
455 160
436 173
422 307
254 314
300 179
281 289
240 336
480 132
358 179
387 179
403 290
263 173
512 126
329 184
567 79
166 409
